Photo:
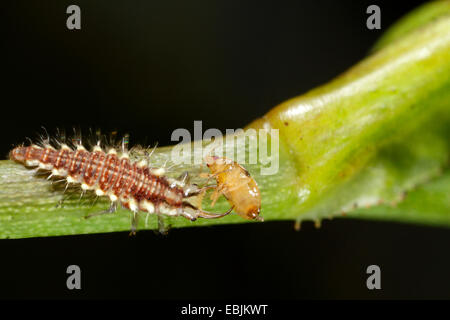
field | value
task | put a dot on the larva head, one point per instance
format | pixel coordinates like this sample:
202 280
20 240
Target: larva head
18 154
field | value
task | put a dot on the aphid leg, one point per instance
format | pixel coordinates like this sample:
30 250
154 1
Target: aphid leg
200 197
205 175
209 176
112 209
216 194
200 193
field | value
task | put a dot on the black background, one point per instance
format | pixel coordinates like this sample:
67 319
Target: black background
149 67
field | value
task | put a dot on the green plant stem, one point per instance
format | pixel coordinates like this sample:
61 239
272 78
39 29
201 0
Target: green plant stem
376 131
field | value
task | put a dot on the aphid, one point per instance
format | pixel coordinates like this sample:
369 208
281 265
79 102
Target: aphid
236 184
133 184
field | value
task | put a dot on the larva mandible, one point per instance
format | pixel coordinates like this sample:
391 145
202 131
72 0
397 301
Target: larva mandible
133 184
236 184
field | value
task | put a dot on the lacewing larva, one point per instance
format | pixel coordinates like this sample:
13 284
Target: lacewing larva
236 184
133 184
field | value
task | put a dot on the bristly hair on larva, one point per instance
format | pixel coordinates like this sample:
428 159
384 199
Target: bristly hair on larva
135 185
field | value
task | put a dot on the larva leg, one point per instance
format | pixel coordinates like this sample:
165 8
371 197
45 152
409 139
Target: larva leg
134 223
38 172
61 201
112 209
188 211
146 219
162 228
65 195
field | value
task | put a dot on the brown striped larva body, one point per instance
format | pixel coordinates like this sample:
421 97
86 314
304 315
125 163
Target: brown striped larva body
236 184
133 184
